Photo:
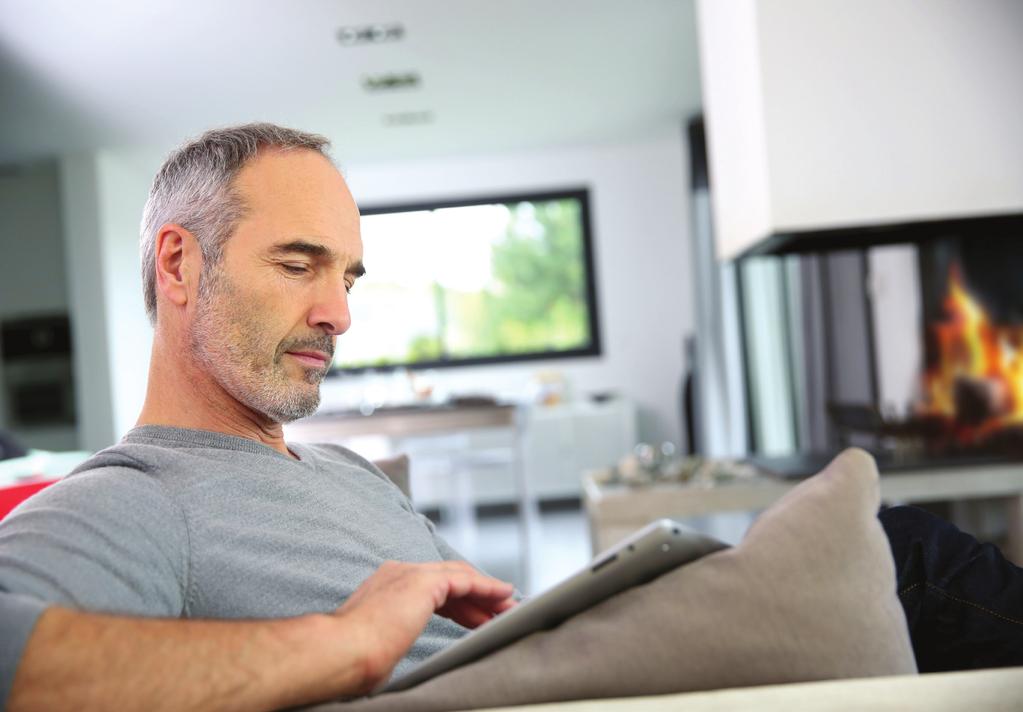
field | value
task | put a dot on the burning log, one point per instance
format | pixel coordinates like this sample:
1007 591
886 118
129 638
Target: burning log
978 400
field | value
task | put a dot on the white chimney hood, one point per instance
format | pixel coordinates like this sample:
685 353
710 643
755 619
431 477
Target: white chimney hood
826 114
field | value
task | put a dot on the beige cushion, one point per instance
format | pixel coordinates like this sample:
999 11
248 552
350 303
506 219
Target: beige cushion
396 468
809 594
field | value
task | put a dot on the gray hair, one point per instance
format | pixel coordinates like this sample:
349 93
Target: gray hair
194 188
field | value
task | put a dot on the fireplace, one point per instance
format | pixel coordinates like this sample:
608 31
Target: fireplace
906 340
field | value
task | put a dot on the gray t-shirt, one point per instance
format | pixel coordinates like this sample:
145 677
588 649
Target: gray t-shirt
193 524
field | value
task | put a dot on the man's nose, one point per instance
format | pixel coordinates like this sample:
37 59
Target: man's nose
330 313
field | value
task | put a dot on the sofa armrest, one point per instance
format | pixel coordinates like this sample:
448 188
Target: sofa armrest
989 690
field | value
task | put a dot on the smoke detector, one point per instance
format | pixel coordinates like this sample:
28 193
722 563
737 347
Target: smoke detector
391 81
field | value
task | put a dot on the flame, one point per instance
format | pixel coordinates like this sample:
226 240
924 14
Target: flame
970 346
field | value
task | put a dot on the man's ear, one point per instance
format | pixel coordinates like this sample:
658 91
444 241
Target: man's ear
178 264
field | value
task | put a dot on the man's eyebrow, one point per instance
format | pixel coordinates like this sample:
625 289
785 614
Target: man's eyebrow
307 248
314 249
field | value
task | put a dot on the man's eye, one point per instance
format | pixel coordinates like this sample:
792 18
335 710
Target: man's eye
295 269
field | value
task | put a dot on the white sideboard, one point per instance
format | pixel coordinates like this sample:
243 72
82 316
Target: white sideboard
558 444
476 448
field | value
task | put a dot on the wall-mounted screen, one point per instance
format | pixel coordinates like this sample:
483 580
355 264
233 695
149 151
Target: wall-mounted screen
472 282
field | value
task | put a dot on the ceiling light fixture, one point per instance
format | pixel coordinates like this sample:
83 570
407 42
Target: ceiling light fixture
355 35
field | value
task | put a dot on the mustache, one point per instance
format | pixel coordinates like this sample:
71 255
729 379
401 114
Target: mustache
322 343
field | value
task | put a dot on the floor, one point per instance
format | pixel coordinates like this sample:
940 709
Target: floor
562 543
563 547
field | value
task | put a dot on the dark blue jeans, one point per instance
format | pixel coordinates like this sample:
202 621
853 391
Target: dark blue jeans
963 600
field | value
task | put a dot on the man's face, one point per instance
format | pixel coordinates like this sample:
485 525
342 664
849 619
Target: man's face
267 316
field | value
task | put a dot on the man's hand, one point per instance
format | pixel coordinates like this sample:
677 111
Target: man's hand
391 608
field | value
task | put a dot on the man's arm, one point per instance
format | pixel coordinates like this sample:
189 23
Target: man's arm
90 661
87 661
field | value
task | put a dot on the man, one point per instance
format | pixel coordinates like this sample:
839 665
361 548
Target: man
244 332
203 515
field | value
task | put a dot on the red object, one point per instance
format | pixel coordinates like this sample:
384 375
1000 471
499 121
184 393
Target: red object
11 497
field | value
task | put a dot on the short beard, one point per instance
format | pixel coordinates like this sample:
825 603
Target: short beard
227 339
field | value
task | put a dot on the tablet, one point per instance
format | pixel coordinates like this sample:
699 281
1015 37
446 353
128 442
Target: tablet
656 549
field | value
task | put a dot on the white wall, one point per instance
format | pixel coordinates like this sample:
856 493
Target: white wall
103 194
125 177
734 121
79 193
873 111
641 225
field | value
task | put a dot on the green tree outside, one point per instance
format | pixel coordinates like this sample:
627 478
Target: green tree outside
538 301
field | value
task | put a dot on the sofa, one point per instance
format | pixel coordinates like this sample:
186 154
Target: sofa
980 690
802 614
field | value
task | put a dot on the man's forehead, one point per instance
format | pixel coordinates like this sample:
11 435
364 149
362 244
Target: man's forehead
300 194
293 177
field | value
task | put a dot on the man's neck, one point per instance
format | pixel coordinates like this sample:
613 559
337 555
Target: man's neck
183 395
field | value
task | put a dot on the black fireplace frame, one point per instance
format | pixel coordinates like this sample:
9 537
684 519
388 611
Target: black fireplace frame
1002 226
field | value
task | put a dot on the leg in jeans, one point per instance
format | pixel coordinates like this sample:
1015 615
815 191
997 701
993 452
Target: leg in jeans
963 600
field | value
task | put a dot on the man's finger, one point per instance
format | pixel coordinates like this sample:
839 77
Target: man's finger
505 605
476 584
466 614
472 617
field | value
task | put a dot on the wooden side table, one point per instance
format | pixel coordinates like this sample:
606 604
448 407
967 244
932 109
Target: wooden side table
616 510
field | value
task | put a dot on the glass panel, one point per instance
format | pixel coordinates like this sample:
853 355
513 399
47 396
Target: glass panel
767 356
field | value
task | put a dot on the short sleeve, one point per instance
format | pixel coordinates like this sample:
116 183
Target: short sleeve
109 540
18 616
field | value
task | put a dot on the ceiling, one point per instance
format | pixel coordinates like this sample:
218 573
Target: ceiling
493 76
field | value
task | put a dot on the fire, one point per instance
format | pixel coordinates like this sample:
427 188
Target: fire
977 380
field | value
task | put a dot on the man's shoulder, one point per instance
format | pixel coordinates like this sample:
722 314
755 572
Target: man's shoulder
117 475
116 460
111 481
161 460
127 464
